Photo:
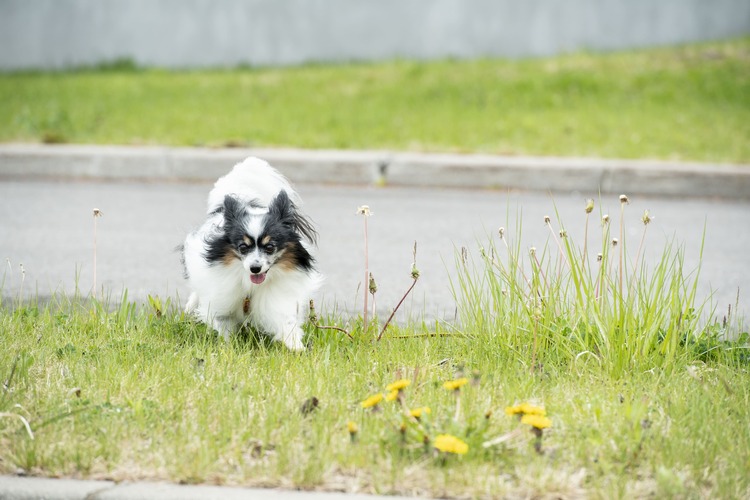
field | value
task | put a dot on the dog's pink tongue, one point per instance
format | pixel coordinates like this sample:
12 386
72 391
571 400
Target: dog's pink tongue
258 278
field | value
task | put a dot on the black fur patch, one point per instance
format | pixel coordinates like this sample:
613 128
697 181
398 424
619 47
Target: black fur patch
223 247
283 210
284 228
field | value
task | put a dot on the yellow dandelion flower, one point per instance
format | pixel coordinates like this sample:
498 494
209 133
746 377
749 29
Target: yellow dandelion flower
536 421
528 409
525 409
392 396
398 385
351 427
372 401
418 412
512 410
454 385
450 444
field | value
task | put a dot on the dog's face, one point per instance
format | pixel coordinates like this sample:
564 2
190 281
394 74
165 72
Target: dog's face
262 239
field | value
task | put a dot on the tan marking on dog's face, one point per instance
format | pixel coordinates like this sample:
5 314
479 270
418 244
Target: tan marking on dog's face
247 240
230 255
266 240
287 260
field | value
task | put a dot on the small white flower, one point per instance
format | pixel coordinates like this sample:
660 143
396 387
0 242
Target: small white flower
364 210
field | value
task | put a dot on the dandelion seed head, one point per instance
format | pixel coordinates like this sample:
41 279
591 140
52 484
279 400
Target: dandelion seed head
624 199
589 205
501 232
563 233
414 271
605 219
547 219
532 251
312 315
364 210
98 213
599 257
646 219
614 242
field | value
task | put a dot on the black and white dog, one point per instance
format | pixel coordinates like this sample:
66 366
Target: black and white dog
250 261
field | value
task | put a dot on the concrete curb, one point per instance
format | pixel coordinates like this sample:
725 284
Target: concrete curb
33 488
645 177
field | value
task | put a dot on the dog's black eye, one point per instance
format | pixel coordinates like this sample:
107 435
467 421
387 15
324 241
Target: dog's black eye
245 247
270 248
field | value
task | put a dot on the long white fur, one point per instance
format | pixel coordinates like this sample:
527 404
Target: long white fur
278 306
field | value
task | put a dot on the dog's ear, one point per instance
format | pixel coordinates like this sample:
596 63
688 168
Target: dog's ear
281 208
233 210
284 210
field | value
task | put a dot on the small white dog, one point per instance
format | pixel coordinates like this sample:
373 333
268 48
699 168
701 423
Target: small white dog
250 261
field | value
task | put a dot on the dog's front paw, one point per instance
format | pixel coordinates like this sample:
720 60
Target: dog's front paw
294 340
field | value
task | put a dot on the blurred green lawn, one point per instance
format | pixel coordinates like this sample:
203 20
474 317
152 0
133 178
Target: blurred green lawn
681 103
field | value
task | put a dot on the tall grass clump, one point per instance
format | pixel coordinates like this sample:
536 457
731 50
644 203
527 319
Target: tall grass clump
575 303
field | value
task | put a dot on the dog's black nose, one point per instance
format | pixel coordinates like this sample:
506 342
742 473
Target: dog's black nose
255 269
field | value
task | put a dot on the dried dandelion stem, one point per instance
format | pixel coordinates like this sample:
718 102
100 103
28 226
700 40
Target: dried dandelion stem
331 327
415 277
364 210
393 313
367 273
623 202
313 319
97 214
589 208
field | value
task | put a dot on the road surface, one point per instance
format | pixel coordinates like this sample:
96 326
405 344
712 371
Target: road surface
47 238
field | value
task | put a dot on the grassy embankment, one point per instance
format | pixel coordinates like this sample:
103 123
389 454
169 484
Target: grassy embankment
685 103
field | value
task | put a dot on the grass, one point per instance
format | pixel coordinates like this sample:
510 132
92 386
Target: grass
645 398
683 103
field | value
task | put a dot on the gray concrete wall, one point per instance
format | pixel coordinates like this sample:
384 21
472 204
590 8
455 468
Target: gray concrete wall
207 33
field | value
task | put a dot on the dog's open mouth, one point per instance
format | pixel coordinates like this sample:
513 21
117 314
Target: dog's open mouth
258 278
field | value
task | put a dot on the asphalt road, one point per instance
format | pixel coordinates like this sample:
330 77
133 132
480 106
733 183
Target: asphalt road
47 229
